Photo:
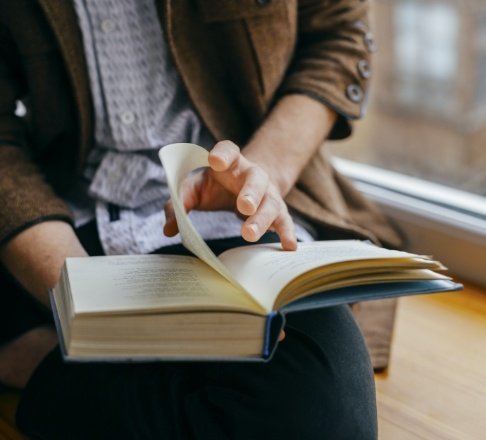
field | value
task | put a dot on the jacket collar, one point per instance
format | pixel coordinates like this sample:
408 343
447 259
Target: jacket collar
64 23
200 66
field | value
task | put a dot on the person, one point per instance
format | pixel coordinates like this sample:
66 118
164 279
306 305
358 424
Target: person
104 85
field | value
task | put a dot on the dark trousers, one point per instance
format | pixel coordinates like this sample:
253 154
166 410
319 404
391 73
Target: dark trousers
318 385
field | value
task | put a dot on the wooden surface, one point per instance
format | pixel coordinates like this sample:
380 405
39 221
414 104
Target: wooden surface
8 404
376 320
435 386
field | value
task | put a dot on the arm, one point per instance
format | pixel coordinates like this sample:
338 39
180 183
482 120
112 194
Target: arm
33 239
331 62
323 89
289 138
36 255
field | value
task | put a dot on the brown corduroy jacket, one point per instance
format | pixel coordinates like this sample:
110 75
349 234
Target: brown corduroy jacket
235 58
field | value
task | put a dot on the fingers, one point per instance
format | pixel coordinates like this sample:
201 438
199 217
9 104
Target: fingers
281 336
272 213
284 227
256 197
255 186
233 178
256 225
234 172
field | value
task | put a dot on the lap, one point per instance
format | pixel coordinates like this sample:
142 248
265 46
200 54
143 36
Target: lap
318 385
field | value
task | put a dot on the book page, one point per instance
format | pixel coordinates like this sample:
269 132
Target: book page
266 269
149 283
179 160
364 278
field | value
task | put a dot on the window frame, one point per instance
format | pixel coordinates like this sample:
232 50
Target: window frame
437 220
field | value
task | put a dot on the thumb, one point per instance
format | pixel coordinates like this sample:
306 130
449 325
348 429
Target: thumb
170 226
190 198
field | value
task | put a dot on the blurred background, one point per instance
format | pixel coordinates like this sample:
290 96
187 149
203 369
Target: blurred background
426 119
427 105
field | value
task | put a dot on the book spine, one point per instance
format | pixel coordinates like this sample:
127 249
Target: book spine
273 325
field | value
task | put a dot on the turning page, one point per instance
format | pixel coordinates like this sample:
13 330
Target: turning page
179 160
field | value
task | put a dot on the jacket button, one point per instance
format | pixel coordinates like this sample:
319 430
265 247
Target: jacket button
364 69
263 2
361 25
355 93
369 42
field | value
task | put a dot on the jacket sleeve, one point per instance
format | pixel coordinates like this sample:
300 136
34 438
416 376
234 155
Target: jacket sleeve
332 58
25 196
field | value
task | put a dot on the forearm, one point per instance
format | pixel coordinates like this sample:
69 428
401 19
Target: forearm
289 137
36 255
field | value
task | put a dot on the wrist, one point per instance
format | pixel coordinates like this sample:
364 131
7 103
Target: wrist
289 138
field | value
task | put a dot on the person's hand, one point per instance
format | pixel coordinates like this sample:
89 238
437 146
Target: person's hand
232 182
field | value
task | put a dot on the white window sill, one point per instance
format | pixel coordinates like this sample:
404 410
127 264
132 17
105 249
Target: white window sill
437 220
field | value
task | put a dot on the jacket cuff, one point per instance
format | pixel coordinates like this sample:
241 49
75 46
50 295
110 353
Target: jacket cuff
25 197
21 228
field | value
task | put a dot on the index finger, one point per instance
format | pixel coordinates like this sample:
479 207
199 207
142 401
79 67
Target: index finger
223 155
284 227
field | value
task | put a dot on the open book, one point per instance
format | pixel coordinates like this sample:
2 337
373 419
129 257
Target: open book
204 307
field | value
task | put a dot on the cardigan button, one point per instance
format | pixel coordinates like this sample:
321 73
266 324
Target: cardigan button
364 69
355 93
263 2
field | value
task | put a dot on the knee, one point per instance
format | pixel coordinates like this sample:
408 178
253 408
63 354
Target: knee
319 385
322 402
330 384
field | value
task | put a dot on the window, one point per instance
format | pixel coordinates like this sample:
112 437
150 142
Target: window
427 106
425 53
480 94
421 151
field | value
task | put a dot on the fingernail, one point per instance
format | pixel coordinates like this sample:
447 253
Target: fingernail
254 228
223 157
248 198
